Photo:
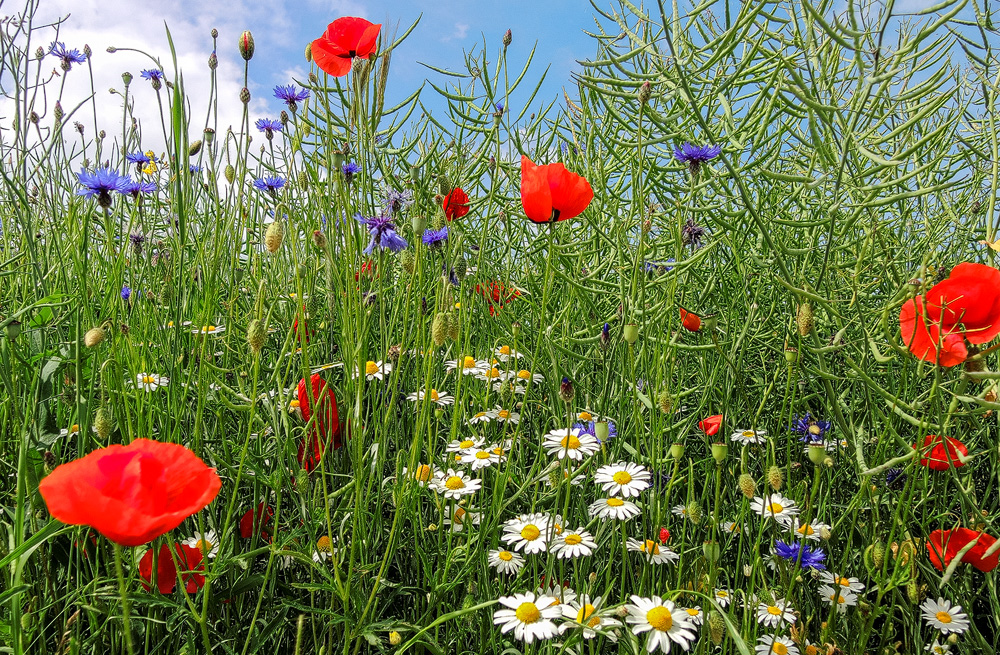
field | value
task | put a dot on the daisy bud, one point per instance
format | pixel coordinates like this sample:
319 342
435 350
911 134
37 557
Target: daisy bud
621 612
394 638
804 319
245 95
507 38
274 235
631 333
102 423
432 528
94 337
256 335
824 533
694 512
439 328
716 628
566 390
952 639
775 477
453 324
665 401
747 485
645 91
319 239
230 173
246 45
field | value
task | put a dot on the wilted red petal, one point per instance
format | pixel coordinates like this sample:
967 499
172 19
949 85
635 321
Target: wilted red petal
691 322
935 457
131 494
711 425
255 520
922 338
455 204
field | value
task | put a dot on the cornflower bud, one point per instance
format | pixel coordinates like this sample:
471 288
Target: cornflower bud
508 37
566 390
87 51
605 336
319 239
245 95
246 45
645 91
57 112
215 33
39 52
213 61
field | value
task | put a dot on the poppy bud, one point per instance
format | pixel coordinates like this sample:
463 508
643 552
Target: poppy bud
94 337
102 423
57 112
508 37
665 401
631 333
716 628
804 319
677 450
645 91
230 173
256 335
775 477
319 239
693 510
453 324
461 268
274 235
747 486
246 45
719 452
913 591
566 391
394 638
245 95
878 554
439 328
13 330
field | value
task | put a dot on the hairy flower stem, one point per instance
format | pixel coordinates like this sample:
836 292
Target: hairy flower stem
126 603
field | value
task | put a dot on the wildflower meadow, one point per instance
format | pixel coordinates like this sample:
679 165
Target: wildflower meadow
699 356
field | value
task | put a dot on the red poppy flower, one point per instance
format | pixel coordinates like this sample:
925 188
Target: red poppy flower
190 561
551 193
344 39
256 520
455 204
691 322
943 547
711 425
131 494
934 456
327 424
964 307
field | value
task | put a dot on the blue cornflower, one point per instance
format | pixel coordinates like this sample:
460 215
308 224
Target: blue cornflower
194 168
895 478
270 183
268 126
435 238
154 75
138 158
100 183
383 233
590 427
812 430
812 558
68 57
126 292
397 201
291 95
350 168
695 156
498 109
135 187
659 268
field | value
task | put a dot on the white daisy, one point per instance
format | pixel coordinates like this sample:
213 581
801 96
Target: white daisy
462 517
326 367
479 458
732 527
723 597
775 645
652 552
573 544
506 416
490 374
774 506
811 530
570 443
831 578
506 561
585 614
423 475
776 614
324 548
375 370
695 615
71 431
482 417
506 353
938 648
663 620
468 365
941 615
749 436
455 484
614 508
530 617
500 451
458 446
504 386
562 593
527 532
169 324
441 399
623 479
527 376
150 382
207 543
679 510
209 329
839 596
587 415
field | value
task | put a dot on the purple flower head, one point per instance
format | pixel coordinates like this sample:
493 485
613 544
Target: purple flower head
692 233
268 126
605 336
194 168
435 238
895 478
136 187
812 558
812 430
383 233
291 95
397 201
270 183
658 268
695 156
154 75
126 292
138 158
67 56
100 183
350 168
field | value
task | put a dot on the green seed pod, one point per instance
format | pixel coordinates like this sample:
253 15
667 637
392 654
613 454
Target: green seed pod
747 486
439 328
804 319
194 148
256 335
230 173
274 235
102 423
775 477
454 322
408 261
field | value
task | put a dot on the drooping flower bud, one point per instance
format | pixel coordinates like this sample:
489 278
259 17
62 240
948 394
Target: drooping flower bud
93 337
747 486
230 173
461 268
246 45
102 423
775 477
454 322
274 235
693 510
194 148
309 58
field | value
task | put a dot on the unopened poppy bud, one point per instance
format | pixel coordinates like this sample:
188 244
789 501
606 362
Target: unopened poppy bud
439 329
804 319
93 337
394 638
645 92
453 325
566 390
256 335
274 235
631 333
693 510
230 173
878 554
27 621
102 423
302 479
408 261
194 148
665 401
309 57
775 477
747 486
716 628
245 95
246 45
508 37
719 452
461 268
319 239
213 61
677 450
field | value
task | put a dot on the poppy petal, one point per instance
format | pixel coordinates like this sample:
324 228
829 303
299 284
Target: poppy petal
536 195
328 58
571 193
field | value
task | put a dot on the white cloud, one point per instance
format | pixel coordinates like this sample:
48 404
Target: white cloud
461 29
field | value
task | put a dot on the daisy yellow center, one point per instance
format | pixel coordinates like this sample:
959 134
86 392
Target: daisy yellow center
503 413
773 610
586 416
659 617
294 404
423 473
203 544
458 458
748 433
943 617
371 368
722 593
208 328
651 547
779 648
454 482
615 502
74 428
148 379
775 508
570 442
504 350
692 611
806 530
467 443
323 545
843 582
573 539
483 454
469 362
523 374
527 613
585 613
840 599
505 555
622 477
812 650
498 451
480 414
493 373
434 395
530 532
